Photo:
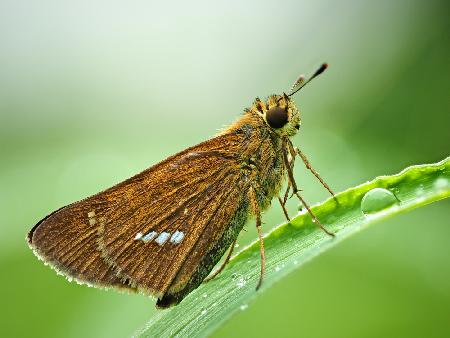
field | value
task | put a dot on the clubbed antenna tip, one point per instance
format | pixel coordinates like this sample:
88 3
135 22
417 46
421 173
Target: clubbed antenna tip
320 70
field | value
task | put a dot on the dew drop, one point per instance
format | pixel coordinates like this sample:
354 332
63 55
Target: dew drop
241 282
442 183
277 268
204 312
243 307
295 262
205 295
236 245
376 200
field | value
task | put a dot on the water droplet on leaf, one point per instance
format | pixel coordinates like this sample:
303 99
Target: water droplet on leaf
241 282
442 183
376 200
243 307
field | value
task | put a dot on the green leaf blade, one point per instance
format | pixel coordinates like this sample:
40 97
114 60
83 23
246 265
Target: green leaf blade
291 245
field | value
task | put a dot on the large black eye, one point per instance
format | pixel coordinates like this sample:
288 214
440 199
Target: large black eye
277 117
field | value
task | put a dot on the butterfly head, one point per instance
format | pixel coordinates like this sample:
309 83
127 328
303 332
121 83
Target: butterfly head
280 112
281 115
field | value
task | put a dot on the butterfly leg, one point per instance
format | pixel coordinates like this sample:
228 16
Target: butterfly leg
262 254
295 191
256 211
296 151
286 194
222 266
283 206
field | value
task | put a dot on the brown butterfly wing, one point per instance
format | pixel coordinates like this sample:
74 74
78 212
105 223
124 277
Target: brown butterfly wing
193 192
194 195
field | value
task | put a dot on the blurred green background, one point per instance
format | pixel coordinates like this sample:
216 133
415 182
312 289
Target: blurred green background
92 92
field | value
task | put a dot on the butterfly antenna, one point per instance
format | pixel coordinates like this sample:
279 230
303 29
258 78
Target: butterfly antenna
301 80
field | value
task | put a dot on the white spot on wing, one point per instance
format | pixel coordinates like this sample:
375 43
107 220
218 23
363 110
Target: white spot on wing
177 237
148 237
138 236
162 238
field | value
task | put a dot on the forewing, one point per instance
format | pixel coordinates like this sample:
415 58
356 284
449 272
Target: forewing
106 239
149 243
